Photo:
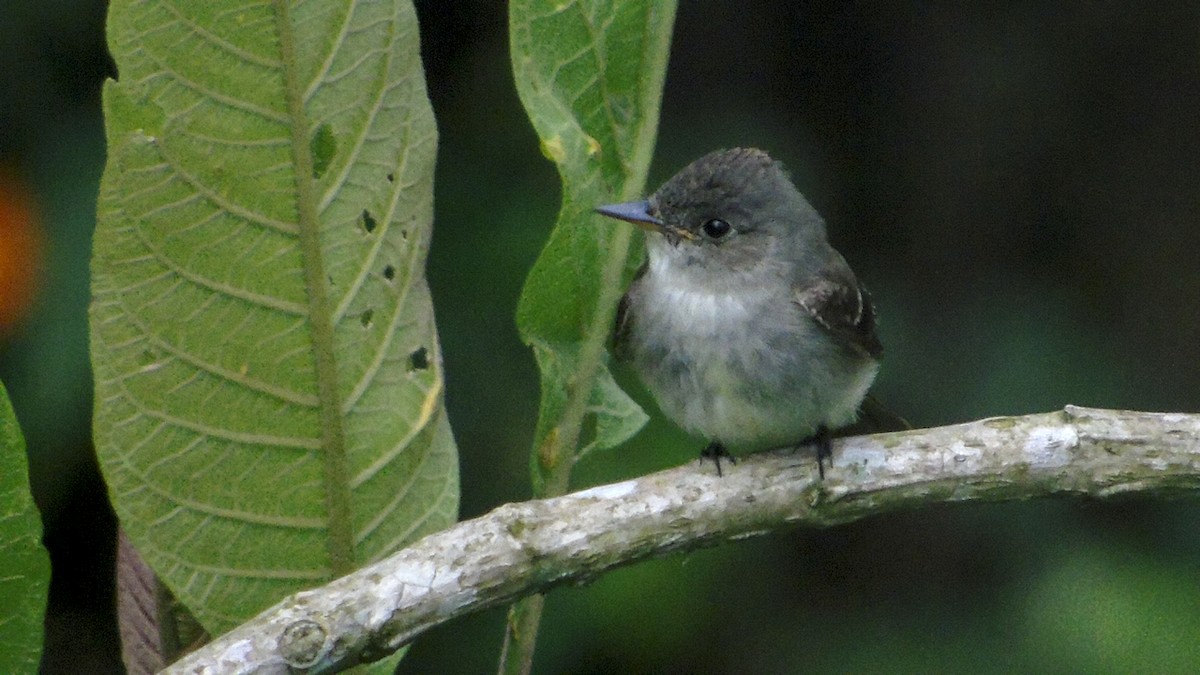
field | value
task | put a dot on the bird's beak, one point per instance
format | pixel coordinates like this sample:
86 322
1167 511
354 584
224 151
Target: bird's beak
639 214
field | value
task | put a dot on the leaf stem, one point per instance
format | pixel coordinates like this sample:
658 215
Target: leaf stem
525 616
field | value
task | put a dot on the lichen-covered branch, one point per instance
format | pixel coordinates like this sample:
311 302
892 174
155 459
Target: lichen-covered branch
519 549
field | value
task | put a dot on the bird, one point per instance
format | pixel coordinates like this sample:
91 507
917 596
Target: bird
745 325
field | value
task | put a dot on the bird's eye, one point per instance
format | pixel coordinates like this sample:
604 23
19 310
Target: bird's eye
716 228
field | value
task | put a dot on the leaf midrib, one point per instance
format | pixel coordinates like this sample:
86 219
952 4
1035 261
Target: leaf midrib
340 533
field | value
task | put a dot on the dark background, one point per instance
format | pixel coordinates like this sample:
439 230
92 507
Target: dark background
1020 188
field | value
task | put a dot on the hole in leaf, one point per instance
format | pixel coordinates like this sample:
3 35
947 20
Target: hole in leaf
418 360
368 221
404 234
391 178
366 317
323 147
389 273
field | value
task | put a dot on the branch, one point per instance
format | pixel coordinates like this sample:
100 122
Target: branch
525 548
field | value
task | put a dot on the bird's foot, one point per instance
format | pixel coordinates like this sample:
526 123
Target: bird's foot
716 452
822 441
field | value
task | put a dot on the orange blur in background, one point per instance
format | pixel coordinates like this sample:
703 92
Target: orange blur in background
20 251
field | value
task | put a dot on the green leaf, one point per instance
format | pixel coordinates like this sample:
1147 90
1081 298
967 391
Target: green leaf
24 564
590 76
268 377
617 416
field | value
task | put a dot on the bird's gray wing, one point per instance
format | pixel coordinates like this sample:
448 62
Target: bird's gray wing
839 304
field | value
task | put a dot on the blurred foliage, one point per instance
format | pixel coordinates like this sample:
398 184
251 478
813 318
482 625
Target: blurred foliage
24 565
1018 187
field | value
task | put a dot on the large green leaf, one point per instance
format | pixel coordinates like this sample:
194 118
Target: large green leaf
590 76
268 378
24 564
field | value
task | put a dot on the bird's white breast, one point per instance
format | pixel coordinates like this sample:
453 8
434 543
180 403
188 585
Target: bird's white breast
689 303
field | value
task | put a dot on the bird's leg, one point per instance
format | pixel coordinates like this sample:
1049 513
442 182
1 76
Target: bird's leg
823 442
716 452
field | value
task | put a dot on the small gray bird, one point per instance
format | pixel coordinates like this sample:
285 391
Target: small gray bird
744 323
